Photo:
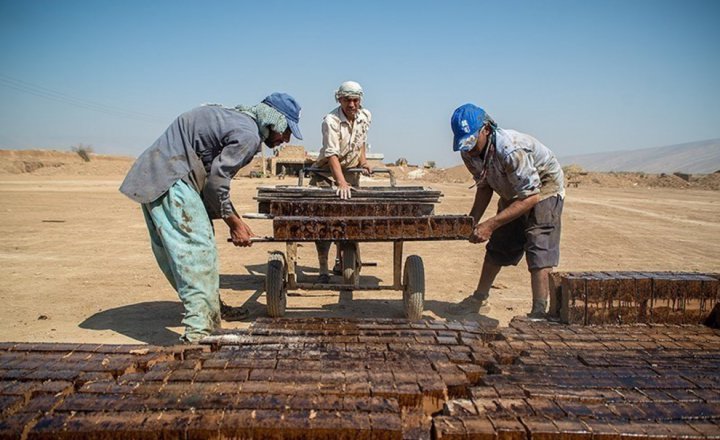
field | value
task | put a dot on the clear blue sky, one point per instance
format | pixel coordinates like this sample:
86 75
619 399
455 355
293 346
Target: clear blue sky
580 76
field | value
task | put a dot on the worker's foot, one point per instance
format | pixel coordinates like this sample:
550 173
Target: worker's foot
471 304
230 313
323 278
337 268
538 311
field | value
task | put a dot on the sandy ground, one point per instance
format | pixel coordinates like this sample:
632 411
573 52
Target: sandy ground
76 265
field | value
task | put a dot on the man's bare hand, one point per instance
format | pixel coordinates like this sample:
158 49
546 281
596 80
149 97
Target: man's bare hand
481 233
366 169
343 190
241 233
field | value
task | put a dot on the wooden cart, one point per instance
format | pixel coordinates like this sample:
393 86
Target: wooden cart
375 214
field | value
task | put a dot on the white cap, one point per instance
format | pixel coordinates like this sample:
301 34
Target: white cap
349 88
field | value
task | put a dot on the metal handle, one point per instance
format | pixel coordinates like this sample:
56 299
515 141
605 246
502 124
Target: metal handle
257 239
307 170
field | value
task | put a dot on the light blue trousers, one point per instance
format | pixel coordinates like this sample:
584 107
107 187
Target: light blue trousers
183 242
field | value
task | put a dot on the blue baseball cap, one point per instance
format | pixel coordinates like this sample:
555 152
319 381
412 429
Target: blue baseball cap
466 121
289 108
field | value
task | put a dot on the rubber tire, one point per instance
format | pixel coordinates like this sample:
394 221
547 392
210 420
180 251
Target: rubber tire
275 286
413 287
349 263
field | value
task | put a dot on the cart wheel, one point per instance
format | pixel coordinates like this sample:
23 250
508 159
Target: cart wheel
413 287
275 288
350 264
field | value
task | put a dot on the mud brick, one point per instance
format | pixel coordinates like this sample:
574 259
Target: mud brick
88 403
601 429
485 358
711 288
627 429
109 387
381 377
707 395
12 427
473 372
509 391
515 406
227 375
53 387
631 396
707 429
408 394
42 375
541 428
572 429
24 389
483 392
181 375
356 376
386 426
168 424
10 404
459 357
357 388
505 356
460 408
432 386
573 307
130 378
315 402
555 284
449 428
699 410
49 427
545 407
629 411
508 428
370 404
218 363
129 425
326 377
382 227
155 376
404 376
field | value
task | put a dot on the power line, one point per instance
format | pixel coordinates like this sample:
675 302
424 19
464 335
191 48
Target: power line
63 98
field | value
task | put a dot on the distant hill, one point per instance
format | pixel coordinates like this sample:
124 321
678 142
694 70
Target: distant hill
694 157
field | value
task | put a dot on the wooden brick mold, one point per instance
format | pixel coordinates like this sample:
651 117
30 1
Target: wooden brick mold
633 297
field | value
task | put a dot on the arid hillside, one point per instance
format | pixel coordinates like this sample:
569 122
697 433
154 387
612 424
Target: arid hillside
64 163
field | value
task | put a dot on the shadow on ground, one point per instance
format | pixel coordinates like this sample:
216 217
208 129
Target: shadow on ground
145 322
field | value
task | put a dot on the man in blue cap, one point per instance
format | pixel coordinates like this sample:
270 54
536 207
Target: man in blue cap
183 182
530 182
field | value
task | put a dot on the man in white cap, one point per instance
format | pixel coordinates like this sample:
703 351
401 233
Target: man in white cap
344 133
182 182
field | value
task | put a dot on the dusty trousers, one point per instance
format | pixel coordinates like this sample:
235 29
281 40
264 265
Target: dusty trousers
183 241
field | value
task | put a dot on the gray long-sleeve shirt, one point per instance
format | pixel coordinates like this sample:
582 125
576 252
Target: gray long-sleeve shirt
206 147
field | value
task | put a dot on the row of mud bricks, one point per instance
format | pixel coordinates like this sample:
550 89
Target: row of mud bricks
635 297
448 227
367 379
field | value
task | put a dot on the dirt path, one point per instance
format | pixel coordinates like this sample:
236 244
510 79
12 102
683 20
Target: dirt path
76 265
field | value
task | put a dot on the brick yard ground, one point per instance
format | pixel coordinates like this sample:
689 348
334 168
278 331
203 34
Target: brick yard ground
386 379
76 268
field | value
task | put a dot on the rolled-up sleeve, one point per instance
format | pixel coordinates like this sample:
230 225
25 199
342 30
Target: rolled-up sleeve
522 174
238 151
330 137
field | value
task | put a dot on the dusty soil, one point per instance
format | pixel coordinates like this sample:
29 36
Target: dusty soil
76 265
